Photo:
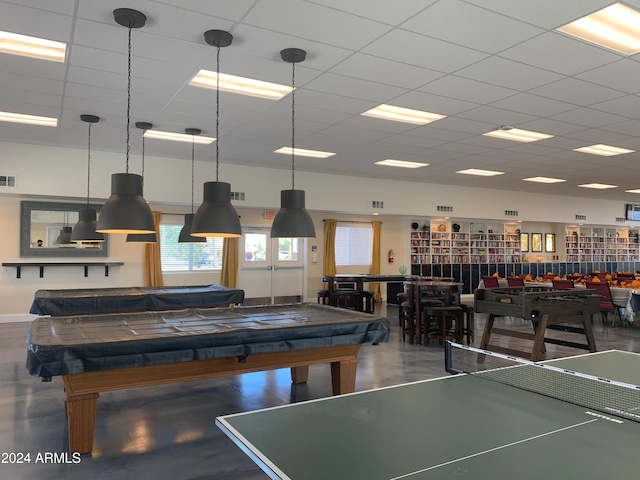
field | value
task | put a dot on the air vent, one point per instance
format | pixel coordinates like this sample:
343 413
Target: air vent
7 181
511 213
443 208
377 204
581 217
237 196
621 219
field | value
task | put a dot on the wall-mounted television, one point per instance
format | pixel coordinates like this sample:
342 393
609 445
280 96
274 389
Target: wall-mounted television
633 212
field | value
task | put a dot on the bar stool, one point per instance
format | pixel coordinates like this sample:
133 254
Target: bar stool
402 297
323 296
368 296
442 322
346 296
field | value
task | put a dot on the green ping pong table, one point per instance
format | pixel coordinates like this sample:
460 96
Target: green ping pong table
459 426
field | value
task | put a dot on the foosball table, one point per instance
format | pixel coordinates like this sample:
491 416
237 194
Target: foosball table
564 310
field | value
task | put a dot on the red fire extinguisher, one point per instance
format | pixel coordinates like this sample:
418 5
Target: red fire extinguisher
391 254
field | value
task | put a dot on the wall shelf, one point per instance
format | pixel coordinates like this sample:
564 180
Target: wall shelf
41 265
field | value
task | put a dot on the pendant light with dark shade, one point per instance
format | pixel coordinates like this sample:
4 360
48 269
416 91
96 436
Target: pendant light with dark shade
142 237
216 216
185 233
85 229
292 220
126 211
64 238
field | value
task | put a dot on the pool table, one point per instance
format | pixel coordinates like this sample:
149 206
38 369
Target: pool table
106 352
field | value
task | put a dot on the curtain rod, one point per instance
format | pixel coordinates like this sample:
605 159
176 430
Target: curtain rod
350 221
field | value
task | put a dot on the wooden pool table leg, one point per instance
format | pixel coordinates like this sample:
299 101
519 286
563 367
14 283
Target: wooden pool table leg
81 420
300 374
343 376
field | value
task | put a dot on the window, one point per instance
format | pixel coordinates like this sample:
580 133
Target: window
354 244
188 257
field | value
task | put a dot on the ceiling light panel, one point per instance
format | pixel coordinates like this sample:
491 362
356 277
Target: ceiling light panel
28 119
32 47
482 173
241 85
597 186
616 27
517 135
603 150
637 190
178 137
543 180
304 153
401 114
389 162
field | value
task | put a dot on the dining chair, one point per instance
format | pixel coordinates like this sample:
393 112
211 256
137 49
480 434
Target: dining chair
490 282
515 281
563 284
606 302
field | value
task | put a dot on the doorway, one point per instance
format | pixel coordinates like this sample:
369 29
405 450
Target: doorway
272 270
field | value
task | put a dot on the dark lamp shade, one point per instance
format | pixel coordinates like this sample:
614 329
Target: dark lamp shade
185 233
216 217
142 238
85 229
126 211
65 236
292 220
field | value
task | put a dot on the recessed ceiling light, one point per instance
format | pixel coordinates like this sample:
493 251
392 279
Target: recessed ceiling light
33 47
304 153
615 27
389 162
637 190
241 85
401 114
517 134
603 150
482 173
178 137
28 119
597 186
543 180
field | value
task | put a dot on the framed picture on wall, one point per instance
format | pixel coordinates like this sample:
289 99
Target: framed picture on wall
536 242
549 242
524 242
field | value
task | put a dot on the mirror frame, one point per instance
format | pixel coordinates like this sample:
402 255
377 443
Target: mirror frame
25 231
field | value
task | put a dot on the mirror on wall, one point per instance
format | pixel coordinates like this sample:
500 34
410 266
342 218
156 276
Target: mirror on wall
42 225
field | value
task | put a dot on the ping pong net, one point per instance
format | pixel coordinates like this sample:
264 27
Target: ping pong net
601 394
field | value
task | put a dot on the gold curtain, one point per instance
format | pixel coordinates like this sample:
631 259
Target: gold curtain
152 265
375 258
329 264
229 273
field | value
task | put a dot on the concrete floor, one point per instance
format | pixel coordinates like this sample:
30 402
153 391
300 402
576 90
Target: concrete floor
168 432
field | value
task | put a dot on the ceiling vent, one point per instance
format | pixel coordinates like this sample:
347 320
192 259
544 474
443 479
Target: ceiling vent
511 213
443 208
237 196
620 219
7 181
377 204
581 217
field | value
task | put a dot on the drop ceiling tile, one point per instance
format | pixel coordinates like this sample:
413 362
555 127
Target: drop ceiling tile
626 105
432 103
423 51
494 117
464 24
310 21
379 10
35 22
569 57
621 75
533 105
509 74
385 71
577 92
353 88
588 117
466 89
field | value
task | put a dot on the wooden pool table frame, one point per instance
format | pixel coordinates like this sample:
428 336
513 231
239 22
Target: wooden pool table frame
83 389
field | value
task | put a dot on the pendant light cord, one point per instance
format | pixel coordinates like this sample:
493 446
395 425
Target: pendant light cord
217 109
88 164
192 168
128 97
143 159
293 125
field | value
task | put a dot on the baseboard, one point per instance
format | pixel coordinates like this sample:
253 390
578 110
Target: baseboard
16 317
